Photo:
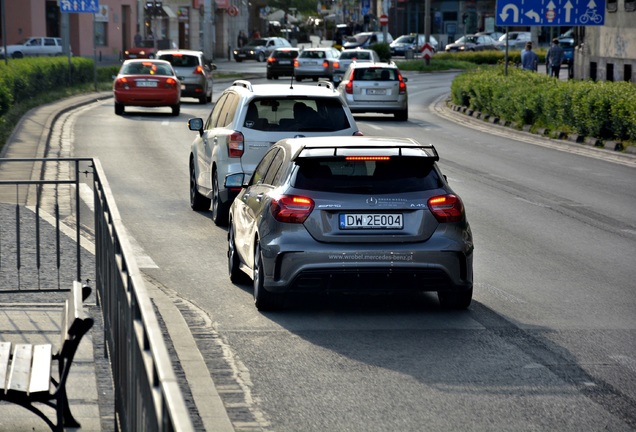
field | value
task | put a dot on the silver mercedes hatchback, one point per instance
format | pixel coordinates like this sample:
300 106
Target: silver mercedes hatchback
350 214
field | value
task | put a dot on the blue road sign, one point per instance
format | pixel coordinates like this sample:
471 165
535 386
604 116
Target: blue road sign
365 6
550 12
87 6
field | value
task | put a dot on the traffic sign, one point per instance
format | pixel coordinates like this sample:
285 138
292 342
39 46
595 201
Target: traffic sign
550 12
233 11
79 6
384 20
427 51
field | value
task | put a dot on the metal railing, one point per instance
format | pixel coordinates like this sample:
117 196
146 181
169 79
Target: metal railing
147 394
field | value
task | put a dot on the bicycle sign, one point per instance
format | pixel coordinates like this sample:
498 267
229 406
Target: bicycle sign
550 12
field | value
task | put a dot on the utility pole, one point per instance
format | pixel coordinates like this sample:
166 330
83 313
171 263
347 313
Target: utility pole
208 30
427 26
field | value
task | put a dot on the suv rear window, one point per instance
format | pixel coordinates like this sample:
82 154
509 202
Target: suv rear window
399 174
298 115
181 60
375 74
285 54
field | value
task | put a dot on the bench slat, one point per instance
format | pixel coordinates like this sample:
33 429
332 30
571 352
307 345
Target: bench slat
20 367
41 369
5 353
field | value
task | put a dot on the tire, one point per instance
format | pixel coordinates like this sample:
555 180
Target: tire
233 260
261 57
119 109
198 202
299 79
220 210
270 76
455 299
176 109
263 299
402 115
238 60
203 99
17 55
275 77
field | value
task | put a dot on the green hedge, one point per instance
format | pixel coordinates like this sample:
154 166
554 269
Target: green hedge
489 57
22 79
604 110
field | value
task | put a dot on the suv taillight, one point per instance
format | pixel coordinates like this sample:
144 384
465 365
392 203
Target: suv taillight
446 208
198 70
291 208
349 85
295 63
402 84
325 64
236 145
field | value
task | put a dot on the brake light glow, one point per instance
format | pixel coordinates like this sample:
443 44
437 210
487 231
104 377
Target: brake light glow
336 65
295 63
446 208
198 70
349 85
325 64
368 158
236 145
291 208
122 83
402 84
171 82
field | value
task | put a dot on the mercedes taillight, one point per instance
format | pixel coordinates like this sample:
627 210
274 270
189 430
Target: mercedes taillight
291 208
236 145
446 208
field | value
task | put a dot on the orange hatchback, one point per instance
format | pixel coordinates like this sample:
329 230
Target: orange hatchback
147 83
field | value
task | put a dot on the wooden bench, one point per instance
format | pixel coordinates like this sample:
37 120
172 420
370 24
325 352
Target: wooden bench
26 373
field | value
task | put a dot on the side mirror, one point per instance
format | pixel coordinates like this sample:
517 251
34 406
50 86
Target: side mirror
212 66
196 124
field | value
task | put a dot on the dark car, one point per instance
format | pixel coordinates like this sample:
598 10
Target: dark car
259 49
281 62
566 41
472 43
145 49
364 215
366 39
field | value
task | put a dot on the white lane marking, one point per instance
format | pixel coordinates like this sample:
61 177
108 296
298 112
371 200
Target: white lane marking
373 126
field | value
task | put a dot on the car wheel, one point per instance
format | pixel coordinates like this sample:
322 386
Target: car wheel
402 115
275 77
176 109
198 202
299 79
455 299
203 99
119 108
261 57
233 260
219 209
315 79
263 299
270 76
17 55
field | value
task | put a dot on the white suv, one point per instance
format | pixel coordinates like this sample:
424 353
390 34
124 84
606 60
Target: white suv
244 123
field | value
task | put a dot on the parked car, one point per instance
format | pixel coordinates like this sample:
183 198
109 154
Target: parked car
472 43
145 49
147 83
366 39
350 214
413 42
259 49
349 56
516 40
245 121
315 63
194 71
34 46
493 34
281 62
566 41
376 88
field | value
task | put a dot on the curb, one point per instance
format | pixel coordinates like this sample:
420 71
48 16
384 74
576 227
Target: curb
613 146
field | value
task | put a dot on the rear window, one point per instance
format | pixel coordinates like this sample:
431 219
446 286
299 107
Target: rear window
297 115
399 174
356 55
312 54
180 60
285 54
375 74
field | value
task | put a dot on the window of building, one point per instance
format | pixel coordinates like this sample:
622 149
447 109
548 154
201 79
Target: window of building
630 5
627 75
101 34
593 71
609 72
612 5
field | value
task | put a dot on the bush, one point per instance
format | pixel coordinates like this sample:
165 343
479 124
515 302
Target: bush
383 49
605 110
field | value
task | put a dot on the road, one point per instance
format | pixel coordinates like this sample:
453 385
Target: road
549 342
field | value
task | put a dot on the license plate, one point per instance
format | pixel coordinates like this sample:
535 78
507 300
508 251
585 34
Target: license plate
284 62
376 91
146 84
371 220
182 86
241 55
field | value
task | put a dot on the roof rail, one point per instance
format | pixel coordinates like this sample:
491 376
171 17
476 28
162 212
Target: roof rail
243 83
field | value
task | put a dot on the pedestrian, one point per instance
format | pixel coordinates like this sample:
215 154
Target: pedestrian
529 59
240 39
256 34
554 58
137 39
